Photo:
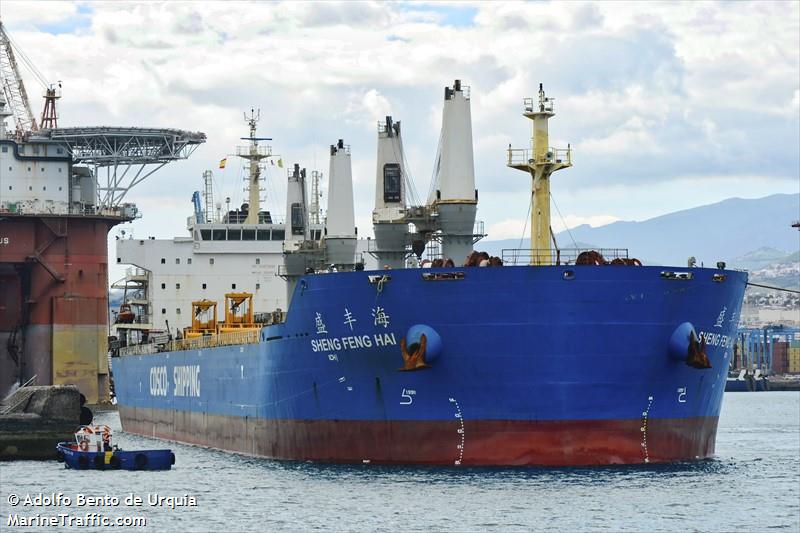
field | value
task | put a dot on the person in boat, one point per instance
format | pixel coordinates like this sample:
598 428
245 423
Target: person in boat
438 263
426 263
483 259
449 263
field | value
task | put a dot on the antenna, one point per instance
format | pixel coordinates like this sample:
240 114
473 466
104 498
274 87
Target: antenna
254 154
255 116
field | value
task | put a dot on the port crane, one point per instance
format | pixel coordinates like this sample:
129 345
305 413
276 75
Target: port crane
14 90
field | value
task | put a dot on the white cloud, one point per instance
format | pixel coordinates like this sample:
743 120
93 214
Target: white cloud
645 92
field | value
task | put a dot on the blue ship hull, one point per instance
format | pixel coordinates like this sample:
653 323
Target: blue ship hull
551 365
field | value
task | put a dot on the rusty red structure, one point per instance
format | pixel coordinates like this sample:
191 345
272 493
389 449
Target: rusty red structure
53 300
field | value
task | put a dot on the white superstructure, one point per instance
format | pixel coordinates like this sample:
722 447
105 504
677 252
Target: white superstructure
230 253
215 259
239 251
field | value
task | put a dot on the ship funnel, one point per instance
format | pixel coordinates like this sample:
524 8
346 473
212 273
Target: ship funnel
454 195
340 241
388 218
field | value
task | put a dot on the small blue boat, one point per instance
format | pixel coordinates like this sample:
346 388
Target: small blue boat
93 450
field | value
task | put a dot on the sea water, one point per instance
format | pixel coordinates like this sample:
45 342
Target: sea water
753 484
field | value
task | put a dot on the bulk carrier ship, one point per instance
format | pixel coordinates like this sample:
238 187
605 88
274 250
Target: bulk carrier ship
557 357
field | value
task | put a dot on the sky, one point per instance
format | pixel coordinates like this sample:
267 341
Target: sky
666 106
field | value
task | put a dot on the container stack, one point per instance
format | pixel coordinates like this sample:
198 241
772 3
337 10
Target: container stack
780 351
793 359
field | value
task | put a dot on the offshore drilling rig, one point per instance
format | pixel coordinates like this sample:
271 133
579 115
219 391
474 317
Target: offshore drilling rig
61 191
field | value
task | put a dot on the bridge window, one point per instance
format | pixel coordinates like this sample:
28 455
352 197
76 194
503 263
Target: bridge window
234 235
278 235
163 261
177 310
262 235
177 285
392 182
189 261
258 286
258 260
233 285
205 234
204 285
211 261
248 234
163 311
177 260
218 235
163 285
5 148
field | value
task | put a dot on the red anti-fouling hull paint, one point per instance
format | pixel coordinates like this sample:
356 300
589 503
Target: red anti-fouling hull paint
54 301
476 442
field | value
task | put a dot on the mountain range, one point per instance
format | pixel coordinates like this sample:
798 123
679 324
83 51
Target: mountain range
745 233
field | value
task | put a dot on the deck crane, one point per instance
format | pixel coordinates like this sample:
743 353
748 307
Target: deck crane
14 89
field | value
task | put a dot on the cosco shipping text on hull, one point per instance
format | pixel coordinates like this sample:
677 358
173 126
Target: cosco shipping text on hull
553 365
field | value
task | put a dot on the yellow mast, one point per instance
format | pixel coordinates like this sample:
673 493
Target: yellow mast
540 161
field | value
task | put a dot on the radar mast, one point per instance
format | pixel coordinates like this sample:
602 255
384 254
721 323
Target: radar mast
254 154
540 161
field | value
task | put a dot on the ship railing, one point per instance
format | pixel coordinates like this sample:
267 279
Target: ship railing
525 156
270 318
530 107
138 349
564 256
126 211
259 151
249 336
142 318
132 272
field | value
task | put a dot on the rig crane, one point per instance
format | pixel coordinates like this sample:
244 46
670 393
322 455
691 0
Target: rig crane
15 93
